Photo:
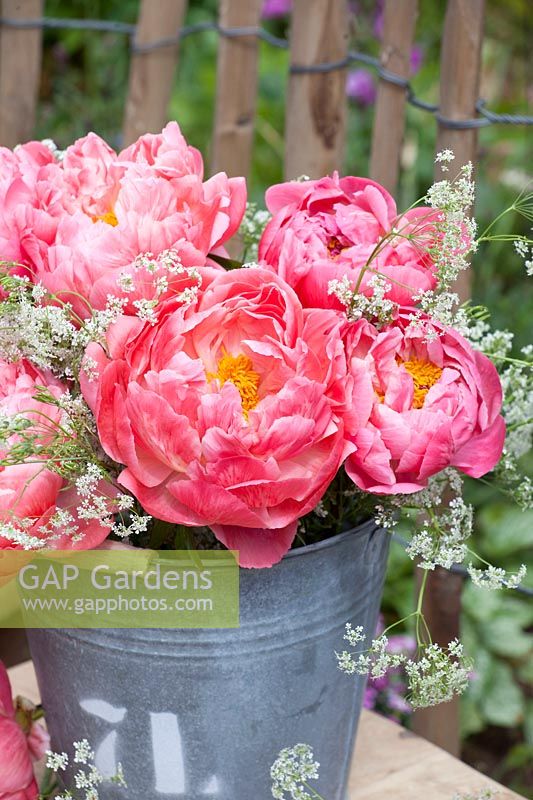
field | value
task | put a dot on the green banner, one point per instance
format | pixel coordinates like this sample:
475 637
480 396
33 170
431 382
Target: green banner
123 588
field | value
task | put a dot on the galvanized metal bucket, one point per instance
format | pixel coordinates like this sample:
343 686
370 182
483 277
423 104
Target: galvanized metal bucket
196 714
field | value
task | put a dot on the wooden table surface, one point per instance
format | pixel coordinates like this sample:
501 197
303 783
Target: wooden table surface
390 763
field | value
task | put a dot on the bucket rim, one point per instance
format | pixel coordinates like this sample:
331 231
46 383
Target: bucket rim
331 541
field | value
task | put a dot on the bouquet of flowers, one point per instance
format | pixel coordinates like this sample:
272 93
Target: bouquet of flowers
158 393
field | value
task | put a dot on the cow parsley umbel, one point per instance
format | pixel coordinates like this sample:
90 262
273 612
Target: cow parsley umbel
87 778
434 675
291 773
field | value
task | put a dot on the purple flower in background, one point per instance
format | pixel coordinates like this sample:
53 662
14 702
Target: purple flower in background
361 87
402 643
417 58
361 84
398 703
276 8
378 25
370 698
381 684
387 694
379 18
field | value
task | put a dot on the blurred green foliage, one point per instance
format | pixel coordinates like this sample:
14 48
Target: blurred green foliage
84 87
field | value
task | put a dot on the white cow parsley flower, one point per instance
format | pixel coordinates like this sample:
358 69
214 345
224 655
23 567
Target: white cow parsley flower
291 772
88 778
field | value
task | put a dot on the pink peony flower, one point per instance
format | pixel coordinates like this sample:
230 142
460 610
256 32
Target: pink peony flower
156 216
146 201
229 413
92 173
167 154
84 266
30 494
437 403
326 229
21 742
29 203
157 169
91 177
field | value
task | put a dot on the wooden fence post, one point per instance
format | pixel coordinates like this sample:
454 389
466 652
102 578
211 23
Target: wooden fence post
20 71
389 119
316 102
442 610
459 87
152 72
236 89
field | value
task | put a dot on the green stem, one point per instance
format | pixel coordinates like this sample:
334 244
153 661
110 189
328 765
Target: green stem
399 622
480 558
315 793
49 785
422 591
504 237
379 246
301 538
419 614
494 221
496 487
509 360
516 425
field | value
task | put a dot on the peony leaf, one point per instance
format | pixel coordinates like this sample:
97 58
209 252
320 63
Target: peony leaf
227 263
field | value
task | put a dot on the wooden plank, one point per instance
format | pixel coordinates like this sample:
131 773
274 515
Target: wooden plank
152 72
316 102
389 761
389 120
236 89
24 682
459 88
20 71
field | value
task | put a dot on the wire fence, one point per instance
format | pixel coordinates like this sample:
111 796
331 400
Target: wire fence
485 117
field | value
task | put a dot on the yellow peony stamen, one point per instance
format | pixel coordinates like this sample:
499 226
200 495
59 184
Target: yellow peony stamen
424 375
110 218
240 372
335 247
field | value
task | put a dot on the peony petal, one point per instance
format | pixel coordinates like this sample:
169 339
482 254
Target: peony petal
257 547
16 771
481 454
6 700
